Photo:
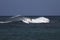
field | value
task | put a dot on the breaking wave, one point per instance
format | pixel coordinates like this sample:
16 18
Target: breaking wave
26 19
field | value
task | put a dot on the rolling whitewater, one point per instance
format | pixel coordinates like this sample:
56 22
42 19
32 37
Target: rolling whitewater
26 19
13 28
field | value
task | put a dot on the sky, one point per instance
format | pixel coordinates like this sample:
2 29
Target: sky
29 7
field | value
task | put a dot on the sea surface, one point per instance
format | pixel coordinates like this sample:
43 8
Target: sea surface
18 30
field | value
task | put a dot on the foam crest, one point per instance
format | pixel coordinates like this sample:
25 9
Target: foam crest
26 19
37 20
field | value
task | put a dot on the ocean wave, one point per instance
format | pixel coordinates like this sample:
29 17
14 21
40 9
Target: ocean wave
26 19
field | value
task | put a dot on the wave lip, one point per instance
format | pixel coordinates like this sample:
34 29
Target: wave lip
26 19
5 21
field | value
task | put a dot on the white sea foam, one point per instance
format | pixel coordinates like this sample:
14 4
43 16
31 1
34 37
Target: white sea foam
37 20
27 20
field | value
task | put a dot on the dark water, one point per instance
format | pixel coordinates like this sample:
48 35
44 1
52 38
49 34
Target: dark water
22 31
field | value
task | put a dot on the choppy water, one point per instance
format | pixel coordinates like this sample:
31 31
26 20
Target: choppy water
21 31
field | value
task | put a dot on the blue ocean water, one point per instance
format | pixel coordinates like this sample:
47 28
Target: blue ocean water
21 31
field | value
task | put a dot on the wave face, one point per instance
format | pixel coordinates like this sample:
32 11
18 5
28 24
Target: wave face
11 19
26 19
